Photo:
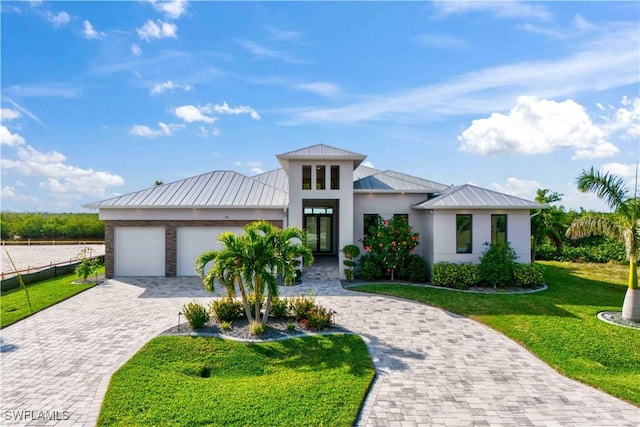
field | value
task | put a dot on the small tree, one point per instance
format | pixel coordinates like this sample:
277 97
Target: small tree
351 252
391 243
88 266
497 264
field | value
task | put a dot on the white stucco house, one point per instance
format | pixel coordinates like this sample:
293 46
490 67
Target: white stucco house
325 190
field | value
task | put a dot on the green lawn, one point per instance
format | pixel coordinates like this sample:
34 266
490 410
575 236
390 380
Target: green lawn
558 325
14 305
173 380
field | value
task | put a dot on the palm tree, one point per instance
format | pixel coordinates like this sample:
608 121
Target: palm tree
255 260
547 224
623 224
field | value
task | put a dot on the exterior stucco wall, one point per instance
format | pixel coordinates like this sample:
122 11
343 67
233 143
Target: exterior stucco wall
170 227
443 230
386 205
343 196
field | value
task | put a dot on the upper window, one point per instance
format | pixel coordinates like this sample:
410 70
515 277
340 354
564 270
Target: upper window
499 228
403 216
370 220
320 177
463 234
306 177
335 177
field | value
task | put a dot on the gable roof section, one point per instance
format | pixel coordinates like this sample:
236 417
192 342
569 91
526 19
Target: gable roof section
277 178
218 189
320 152
393 181
472 197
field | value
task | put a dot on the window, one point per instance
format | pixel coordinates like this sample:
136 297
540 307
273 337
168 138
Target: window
306 177
463 234
320 175
405 216
335 177
370 220
499 228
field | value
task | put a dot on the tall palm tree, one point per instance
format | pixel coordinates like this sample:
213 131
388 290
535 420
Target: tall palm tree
253 261
623 225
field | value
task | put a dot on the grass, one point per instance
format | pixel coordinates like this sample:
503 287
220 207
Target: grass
558 325
175 380
14 305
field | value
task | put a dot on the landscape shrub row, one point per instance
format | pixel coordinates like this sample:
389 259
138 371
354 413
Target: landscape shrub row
51 226
304 309
607 250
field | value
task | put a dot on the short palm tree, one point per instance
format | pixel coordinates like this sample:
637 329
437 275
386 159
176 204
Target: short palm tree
623 224
253 262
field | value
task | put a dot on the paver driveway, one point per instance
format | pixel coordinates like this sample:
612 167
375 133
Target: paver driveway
434 368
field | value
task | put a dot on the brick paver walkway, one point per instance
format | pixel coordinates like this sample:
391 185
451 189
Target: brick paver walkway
434 368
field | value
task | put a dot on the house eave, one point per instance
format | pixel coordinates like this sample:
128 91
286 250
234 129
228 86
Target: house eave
275 207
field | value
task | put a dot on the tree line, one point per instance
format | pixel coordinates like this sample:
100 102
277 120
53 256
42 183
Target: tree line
51 226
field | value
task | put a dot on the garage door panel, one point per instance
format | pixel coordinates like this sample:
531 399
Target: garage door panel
193 241
139 251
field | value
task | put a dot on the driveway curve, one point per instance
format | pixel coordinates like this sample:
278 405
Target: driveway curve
434 368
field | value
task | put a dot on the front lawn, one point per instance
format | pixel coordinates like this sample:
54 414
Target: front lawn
558 325
173 380
14 305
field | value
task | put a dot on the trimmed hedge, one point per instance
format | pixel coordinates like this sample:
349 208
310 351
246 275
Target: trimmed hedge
457 276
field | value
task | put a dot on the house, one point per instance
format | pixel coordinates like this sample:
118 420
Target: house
325 190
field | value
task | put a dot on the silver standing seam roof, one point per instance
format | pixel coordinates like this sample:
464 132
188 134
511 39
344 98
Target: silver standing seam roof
218 189
472 197
395 181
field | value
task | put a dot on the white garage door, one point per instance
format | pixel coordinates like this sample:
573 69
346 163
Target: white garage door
193 241
139 251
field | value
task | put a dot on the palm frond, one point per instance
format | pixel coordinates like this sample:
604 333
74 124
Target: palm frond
610 188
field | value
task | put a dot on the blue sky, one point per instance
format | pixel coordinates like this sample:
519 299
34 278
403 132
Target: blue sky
104 98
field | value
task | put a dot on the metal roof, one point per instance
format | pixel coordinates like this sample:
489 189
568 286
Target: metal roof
277 178
320 152
363 171
472 197
396 181
218 189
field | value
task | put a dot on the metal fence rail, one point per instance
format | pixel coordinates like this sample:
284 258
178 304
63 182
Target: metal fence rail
38 274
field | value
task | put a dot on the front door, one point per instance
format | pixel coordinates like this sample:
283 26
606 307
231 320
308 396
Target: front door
318 228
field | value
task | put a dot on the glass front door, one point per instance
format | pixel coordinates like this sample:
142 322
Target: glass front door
318 228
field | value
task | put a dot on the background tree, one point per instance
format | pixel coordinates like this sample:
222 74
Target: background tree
547 225
623 225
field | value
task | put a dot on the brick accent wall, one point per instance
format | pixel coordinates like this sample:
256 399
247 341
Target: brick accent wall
170 235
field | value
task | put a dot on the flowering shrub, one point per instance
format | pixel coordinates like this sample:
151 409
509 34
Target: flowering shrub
226 309
390 242
457 276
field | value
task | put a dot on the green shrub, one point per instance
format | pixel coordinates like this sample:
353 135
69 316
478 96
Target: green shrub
497 264
457 276
370 267
195 314
417 269
87 267
226 309
279 307
318 317
300 305
528 275
251 300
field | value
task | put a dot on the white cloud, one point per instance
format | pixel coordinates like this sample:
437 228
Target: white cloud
191 113
225 109
8 138
326 89
172 9
503 9
147 132
151 30
611 61
256 170
206 133
23 110
518 187
59 19
45 90
536 126
279 34
624 120
621 169
88 32
60 177
135 49
439 41
168 85
9 193
7 114
260 51
368 164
